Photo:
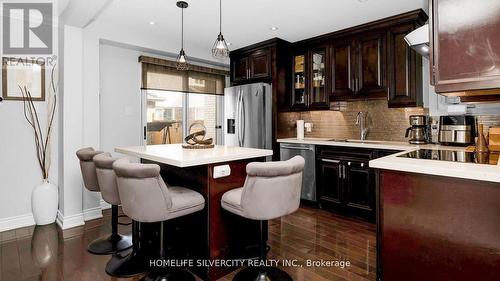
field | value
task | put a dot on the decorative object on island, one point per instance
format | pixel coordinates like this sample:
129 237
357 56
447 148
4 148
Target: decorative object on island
30 73
45 197
196 138
494 139
220 48
182 63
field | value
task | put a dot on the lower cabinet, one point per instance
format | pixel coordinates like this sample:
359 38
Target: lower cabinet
345 182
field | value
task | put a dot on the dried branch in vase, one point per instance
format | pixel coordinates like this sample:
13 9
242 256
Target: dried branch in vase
42 144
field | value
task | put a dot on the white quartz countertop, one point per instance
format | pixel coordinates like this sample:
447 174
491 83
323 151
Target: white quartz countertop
482 172
175 155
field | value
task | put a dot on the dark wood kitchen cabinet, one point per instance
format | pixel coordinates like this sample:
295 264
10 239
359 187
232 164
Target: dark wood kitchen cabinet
342 58
404 69
373 61
345 182
465 45
251 67
369 80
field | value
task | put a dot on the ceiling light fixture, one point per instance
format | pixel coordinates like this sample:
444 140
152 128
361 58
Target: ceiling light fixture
152 23
181 62
274 28
220 48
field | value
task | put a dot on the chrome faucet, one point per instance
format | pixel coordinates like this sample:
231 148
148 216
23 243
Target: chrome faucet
361 122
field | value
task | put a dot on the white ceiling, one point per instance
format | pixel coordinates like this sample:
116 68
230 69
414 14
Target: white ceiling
244 21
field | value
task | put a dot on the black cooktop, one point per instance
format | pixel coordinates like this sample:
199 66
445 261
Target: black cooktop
452 156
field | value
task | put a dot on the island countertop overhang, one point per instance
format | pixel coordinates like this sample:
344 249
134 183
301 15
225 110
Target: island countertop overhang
175 155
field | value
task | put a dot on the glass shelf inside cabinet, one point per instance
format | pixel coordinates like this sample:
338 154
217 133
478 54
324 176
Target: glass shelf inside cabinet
299 80
318 76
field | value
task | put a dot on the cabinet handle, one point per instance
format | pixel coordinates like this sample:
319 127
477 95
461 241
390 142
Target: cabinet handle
330 161
343 168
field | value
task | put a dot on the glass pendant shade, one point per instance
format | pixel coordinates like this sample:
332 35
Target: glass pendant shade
182 62
220 48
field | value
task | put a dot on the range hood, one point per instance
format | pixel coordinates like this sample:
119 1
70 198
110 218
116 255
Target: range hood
418 40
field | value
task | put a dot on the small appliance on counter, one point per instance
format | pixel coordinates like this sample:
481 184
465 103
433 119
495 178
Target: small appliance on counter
419 130
459 130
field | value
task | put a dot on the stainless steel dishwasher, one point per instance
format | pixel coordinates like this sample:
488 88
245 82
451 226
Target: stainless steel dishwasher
289 150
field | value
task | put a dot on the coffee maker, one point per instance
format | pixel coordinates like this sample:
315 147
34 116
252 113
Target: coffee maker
419 130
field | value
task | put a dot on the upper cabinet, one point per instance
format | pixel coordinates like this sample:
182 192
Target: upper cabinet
465 45
370 65
370 61
404 69
343 74
310 90
251 66
358 67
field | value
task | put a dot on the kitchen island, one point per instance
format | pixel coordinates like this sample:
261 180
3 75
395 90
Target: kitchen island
211 234
437 220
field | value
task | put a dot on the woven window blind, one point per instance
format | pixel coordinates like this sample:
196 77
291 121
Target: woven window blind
160 74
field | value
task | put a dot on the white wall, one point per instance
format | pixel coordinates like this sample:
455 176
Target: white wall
120 97
19 169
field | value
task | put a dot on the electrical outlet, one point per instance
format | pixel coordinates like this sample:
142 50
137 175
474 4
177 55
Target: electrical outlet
221 171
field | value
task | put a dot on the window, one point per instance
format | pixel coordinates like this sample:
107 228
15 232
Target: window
176 99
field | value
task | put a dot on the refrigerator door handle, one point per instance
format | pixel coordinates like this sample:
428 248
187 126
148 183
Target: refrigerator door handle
238 117
243 119
264 139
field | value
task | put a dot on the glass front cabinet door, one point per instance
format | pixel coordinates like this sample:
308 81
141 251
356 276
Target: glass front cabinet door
317 76
299 98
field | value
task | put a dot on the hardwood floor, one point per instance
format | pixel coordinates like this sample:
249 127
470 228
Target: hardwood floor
46 253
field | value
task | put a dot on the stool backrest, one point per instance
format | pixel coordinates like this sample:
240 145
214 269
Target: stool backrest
86 155
143 193
106 178
272 189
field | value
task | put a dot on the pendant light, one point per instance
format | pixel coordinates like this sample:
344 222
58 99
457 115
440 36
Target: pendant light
182 63
220 49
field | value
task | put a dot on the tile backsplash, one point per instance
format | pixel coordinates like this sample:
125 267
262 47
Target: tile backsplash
384 123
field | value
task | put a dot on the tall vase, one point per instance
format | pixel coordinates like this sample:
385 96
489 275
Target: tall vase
44 203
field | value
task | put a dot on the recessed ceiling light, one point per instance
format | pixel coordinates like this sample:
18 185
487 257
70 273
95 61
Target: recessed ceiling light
274 28
229 43
152 23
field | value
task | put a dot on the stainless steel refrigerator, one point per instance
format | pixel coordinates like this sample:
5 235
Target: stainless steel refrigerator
248 116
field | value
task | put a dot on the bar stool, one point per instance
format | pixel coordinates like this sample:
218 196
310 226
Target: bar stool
106 179
146 198
100 246
271 190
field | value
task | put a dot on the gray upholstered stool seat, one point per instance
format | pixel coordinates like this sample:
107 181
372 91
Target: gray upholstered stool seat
231 201
146 198
271 190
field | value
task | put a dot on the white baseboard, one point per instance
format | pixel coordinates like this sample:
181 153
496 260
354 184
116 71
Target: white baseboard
66 222
105 205
16 222
92 213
